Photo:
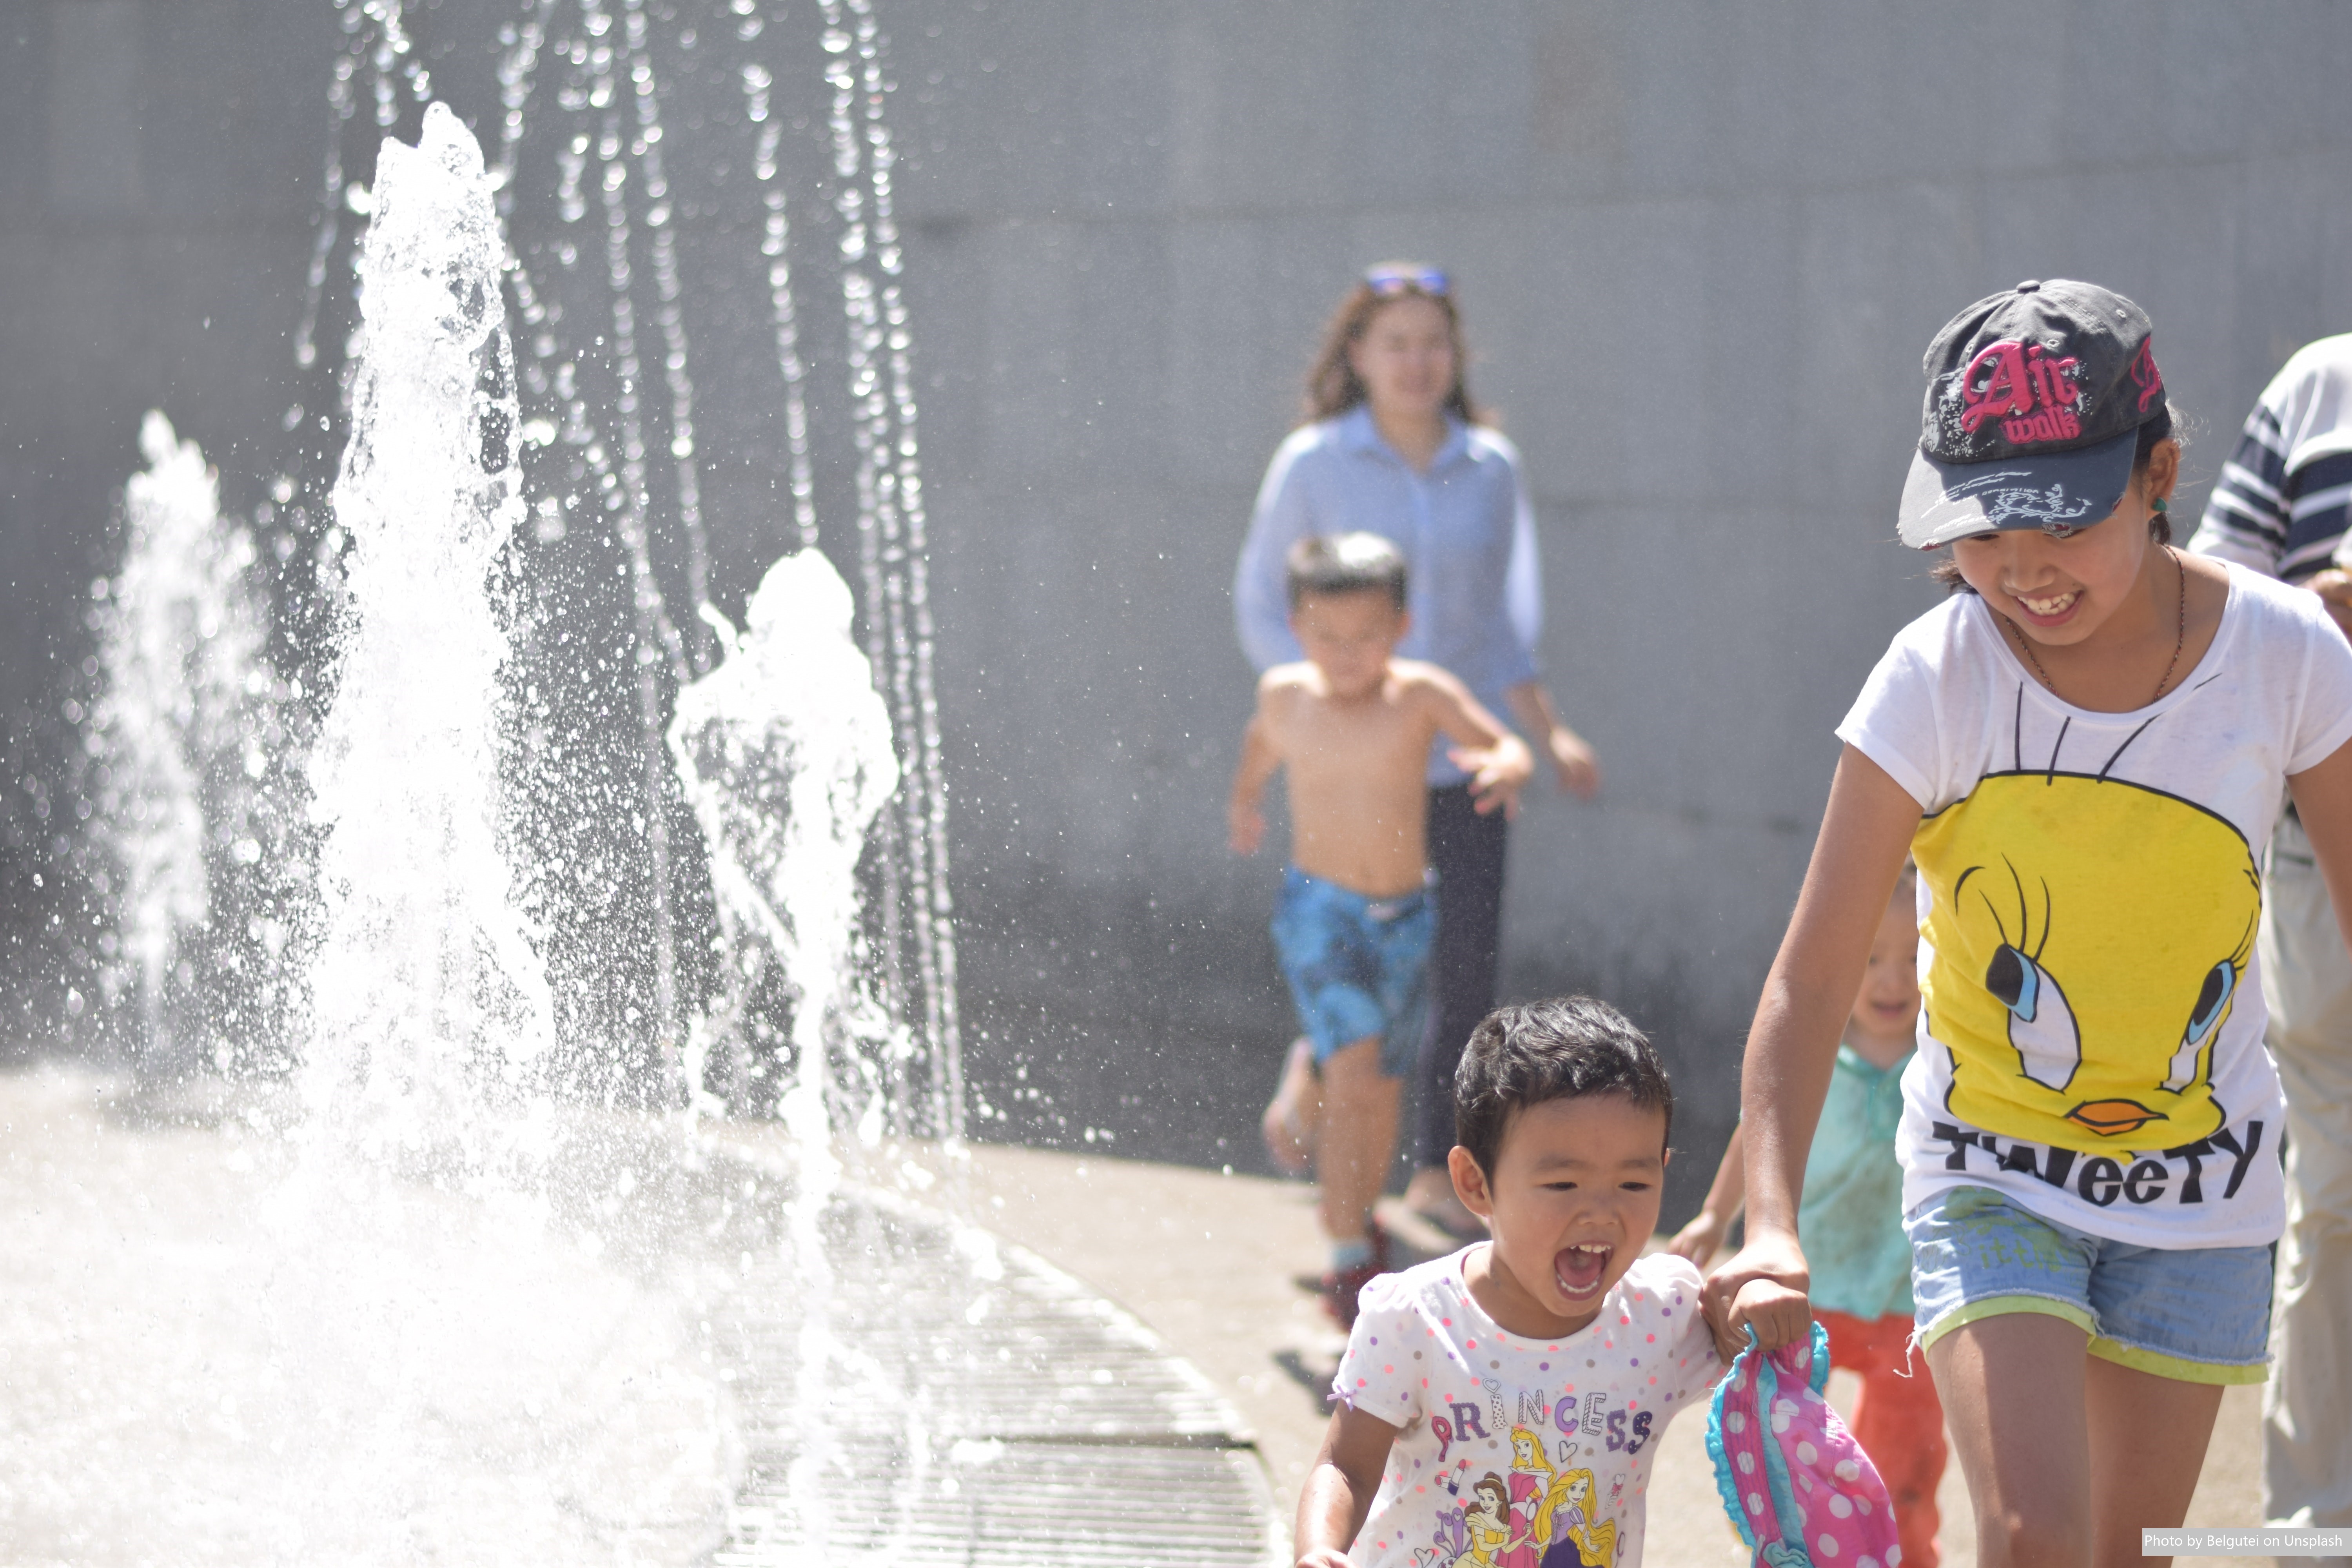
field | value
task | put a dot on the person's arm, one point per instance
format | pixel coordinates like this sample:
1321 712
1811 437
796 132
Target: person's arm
2323 798
1523 578
1792 1047
1261 577
1498 761
1571 756
1245 815
2247 513
1700 1239
1338 1490
2333 587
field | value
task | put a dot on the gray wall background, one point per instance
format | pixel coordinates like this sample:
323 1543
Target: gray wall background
1700 249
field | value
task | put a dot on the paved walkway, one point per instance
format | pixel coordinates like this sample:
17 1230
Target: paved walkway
166 1316
1214 1263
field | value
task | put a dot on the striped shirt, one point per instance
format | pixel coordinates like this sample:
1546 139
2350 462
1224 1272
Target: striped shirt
2279 505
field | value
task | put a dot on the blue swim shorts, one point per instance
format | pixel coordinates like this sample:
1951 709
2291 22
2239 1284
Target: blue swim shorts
2192 1314
1357 966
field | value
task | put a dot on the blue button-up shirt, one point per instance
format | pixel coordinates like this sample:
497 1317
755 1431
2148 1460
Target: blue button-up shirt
1464 527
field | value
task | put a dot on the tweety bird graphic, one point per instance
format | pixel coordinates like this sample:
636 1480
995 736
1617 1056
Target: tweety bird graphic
2089 936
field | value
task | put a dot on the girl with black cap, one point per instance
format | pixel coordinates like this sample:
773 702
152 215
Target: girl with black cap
2084 750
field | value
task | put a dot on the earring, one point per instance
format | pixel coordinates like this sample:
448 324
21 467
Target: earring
2161 505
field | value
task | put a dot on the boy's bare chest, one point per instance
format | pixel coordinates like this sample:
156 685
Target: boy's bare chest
1363 735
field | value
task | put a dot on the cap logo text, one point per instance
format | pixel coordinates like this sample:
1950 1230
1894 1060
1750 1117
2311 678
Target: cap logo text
2030 390
2144 375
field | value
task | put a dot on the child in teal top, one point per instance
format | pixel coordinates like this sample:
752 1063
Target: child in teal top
1850 1216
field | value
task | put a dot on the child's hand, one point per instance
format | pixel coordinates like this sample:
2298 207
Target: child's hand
1764 1287
1572 759
1244 826
1701 1240
1497 773
1326 1557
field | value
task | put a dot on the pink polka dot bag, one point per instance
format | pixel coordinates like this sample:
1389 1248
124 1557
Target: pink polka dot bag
1798 1488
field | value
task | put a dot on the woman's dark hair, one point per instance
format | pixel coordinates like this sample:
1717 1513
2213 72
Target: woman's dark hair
1563 1049
1333 388
2153 434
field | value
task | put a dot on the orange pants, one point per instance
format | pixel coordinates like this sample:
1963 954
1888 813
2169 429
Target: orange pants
1898 1421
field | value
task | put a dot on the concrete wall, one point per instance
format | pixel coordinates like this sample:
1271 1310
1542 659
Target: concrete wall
1700 249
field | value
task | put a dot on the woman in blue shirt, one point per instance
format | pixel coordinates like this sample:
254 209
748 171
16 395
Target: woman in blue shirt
1393 445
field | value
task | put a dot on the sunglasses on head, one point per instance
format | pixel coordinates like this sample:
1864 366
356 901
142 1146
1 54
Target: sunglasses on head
1389 281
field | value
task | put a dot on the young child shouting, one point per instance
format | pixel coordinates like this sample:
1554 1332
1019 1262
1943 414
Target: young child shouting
1501 1406
1353 726
1852 1218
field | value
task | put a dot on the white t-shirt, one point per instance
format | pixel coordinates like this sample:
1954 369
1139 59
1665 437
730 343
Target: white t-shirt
2091 1039
1519 1453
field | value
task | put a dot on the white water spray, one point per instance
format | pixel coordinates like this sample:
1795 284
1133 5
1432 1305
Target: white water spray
430 1004
181 730
784 752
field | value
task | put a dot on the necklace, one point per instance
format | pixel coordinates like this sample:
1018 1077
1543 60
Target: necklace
2179 636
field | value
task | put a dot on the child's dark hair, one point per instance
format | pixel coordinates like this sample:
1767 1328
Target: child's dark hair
1563 1049
1345 563
2163 427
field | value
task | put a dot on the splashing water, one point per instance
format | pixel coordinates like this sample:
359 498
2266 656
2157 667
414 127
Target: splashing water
603 166
430 1006
184 732
784 752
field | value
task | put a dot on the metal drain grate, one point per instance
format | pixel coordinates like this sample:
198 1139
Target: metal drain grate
1054 1429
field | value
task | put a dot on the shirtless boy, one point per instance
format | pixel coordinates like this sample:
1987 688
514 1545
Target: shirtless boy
1353 726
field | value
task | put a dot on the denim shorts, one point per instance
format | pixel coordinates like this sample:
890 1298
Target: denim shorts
2193 1314
1358 967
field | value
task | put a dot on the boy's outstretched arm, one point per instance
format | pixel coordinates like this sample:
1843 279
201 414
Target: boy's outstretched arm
1700 1239
1498 761
1244 817
1338 1490
1571 753
1792 1047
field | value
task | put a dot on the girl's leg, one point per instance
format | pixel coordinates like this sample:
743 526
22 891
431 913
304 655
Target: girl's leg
2067 1457
2148 1436
2013 1386
1466 851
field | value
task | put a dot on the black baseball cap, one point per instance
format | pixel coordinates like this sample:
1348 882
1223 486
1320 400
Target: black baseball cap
2035 398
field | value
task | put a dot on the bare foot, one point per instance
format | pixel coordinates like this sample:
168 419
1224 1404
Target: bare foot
1431 1196
1290 1118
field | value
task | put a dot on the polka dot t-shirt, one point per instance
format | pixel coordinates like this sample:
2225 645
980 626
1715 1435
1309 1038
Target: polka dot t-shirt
1513 1452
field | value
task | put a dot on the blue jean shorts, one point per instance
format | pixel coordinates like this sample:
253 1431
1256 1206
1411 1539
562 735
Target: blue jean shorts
2192 1314
1357 966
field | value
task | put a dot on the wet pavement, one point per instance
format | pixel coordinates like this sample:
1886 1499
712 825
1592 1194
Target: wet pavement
1217 1265
1126 1364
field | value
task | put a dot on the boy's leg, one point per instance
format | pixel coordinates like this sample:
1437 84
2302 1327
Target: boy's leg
2067 1457
1898 1421
1357 1139
1289 1121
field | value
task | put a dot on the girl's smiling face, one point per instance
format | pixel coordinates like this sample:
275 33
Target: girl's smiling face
2062 590
1887 1009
